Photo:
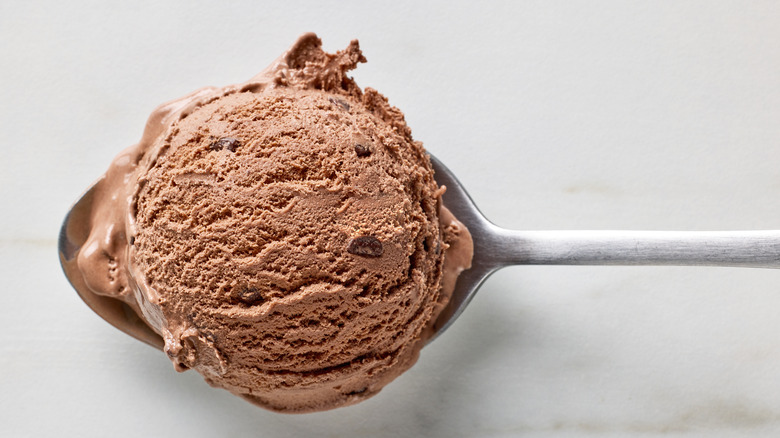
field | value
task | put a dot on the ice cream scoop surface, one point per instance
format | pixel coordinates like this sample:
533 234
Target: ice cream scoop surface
284 236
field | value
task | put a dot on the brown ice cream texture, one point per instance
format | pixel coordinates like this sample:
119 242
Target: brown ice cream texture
284 237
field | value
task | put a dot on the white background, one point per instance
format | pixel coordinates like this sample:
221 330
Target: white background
554 114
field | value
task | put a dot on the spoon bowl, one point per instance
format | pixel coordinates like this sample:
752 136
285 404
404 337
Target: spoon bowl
486 258
73 233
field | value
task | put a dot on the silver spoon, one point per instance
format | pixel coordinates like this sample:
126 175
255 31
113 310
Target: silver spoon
494 248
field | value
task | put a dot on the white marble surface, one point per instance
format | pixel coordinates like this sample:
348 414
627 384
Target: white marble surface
555 114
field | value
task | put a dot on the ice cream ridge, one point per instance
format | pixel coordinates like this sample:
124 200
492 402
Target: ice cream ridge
284 237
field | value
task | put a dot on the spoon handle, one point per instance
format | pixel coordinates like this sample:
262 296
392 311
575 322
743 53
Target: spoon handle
757 249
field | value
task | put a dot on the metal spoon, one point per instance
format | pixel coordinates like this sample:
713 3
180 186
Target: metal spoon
494 248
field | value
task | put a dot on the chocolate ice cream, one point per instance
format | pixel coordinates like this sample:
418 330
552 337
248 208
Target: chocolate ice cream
284 237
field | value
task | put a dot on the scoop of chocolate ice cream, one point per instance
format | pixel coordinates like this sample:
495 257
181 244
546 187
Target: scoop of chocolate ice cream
284 236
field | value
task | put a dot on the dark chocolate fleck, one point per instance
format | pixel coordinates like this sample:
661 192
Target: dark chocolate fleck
210 336
228 143
362 150
368 246
250 295
340 103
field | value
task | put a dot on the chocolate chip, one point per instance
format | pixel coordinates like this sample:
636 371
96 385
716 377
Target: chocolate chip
362 150
340 103
132 240
368 246
228 143
250 295
210 336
